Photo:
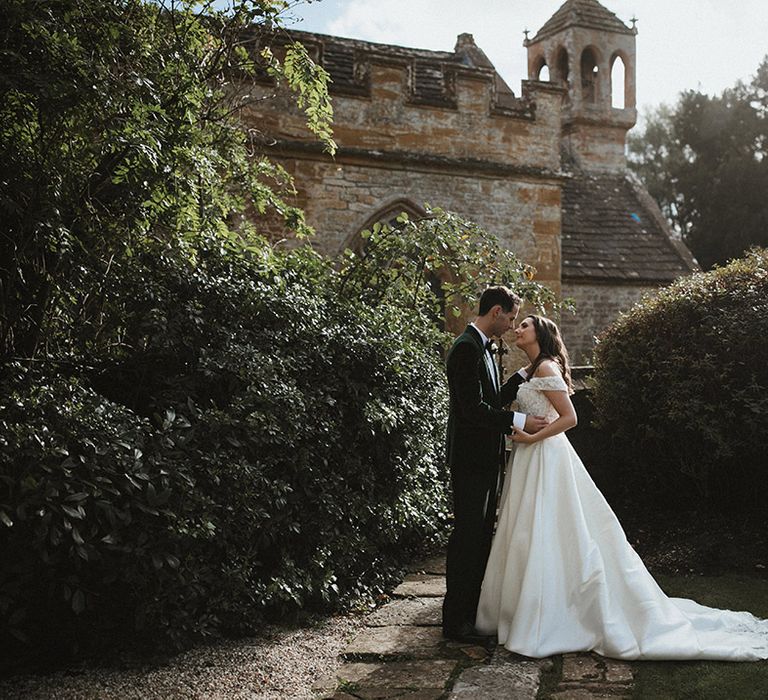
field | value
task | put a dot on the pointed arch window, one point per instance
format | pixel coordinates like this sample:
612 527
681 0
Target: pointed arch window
386 215
542 70
589 76
563 65
618 82
389 214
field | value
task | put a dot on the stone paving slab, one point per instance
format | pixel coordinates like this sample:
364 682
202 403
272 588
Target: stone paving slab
580 667
592 676
394 676
472 651
421 585
409 642
499 680
386 694
433 565
618 672
590 694
408 611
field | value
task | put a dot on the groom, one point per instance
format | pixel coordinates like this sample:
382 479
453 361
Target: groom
476 427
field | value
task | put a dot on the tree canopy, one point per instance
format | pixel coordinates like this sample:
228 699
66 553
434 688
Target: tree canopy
118 134
705 161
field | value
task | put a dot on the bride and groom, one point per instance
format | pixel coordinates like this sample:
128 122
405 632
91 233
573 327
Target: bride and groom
559 574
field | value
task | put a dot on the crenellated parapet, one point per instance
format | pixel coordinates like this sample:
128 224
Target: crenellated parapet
439 104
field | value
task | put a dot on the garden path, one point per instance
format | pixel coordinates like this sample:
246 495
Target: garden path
400 653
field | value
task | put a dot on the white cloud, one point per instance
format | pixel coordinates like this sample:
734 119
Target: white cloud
420 23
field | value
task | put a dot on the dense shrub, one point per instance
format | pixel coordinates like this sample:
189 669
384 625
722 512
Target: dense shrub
84 502
266 446
333 408
681 386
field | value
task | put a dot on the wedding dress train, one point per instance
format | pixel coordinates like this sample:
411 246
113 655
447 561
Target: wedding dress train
562 577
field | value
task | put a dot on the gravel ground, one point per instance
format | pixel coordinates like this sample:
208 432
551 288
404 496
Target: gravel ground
281 663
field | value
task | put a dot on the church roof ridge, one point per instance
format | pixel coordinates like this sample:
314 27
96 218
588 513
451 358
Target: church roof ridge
346 62
372 47
582 13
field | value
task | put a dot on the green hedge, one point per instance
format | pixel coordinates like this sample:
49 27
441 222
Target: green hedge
681 389
258 446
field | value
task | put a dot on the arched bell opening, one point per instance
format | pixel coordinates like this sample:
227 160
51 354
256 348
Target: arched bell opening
563 67
590 76
618 82
541 69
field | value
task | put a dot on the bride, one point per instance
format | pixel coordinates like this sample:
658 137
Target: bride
561 576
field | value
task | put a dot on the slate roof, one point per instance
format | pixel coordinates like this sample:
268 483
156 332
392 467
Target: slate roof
612 231
431 72
582 13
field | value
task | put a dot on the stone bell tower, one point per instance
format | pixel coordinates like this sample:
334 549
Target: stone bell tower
587 49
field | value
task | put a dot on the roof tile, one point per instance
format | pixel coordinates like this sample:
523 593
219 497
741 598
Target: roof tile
582 13
609 232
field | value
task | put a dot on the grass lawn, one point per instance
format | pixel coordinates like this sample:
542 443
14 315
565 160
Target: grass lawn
708 680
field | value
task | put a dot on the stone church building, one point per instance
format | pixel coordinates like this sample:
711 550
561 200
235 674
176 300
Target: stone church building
545 170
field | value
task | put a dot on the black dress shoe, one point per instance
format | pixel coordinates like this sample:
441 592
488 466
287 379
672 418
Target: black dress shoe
468 634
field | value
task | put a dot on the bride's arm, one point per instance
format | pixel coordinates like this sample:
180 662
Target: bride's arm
562 404
565 421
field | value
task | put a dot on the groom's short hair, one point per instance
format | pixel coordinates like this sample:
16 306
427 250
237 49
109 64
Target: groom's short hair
503 296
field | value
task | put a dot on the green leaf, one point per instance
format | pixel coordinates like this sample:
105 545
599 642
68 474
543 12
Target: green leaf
76 513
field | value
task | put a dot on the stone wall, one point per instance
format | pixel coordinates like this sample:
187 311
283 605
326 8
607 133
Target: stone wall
339 199
597 306
487 155
483 153
521 133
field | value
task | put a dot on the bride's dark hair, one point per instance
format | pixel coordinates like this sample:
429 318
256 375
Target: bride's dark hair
551 347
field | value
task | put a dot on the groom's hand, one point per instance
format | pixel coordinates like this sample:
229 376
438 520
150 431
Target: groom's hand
535 423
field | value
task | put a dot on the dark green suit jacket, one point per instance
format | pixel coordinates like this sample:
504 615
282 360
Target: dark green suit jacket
477 422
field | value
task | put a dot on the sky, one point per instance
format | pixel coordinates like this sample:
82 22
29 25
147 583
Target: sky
704 45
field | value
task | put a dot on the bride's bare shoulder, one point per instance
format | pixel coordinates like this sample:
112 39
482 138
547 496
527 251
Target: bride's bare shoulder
548 368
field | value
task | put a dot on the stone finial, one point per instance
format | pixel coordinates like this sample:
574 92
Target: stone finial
464 41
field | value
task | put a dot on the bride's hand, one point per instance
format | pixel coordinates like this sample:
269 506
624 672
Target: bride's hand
522 436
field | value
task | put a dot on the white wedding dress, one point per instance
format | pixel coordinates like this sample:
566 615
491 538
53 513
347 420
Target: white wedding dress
562 577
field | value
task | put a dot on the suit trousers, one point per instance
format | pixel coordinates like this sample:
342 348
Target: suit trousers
474 510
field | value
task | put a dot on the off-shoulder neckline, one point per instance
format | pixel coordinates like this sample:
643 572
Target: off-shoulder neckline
553 376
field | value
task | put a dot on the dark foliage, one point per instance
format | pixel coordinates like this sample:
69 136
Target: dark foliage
684 375
267 448
118 131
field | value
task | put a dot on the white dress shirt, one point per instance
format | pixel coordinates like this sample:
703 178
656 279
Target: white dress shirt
518 420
